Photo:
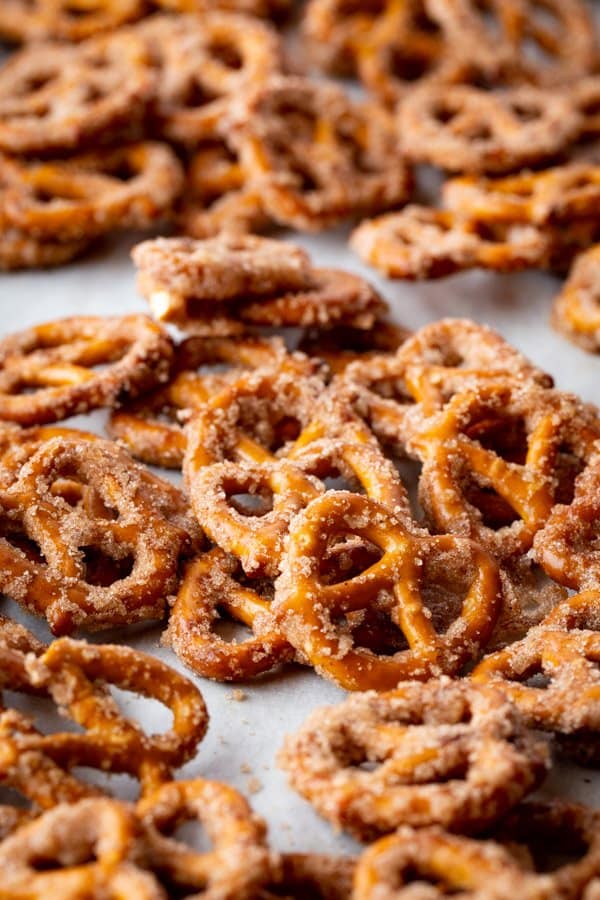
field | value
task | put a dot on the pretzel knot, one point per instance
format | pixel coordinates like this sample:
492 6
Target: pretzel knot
212 583
89 844
152 427
65 20
464 129
576 310
497 460
446 753
396 393
343 159
442 864
311 611
238 863
55 97
420 242
57 360
128 187
564 650
102 555
204 61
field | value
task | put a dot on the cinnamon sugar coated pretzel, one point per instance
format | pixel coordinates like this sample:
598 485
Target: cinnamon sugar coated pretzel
463 129
405 514
444 753
220 285
343 161
56 361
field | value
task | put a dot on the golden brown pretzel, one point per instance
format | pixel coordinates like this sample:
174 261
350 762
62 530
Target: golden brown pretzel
435 864
396 393
57 97
561 194
211 584
87 848
152 427
545 41
498 458
57 361
443 752
128 187
109 559
318 157
312 612
465 129
202 62
564 650
420 242
238 863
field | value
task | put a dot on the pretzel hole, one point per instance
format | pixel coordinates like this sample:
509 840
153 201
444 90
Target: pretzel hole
229 631
227 53
446 577
526 113
11 797
553 846
444 114
251 504
504 435
135 706
102 570
494 511
568 465
409 66
28 547
197 95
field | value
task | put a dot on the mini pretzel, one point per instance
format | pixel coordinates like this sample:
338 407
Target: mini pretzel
396 393
152 427
64 20
443 752
311 611
130 187
389 45
204 61
174 273
567 547
565 649
69 671
317 157
576 310
464 129
109 560
544 41
216 286
430 863
421 242
217 196
210 585
57 360
54 97
493 462
87 847
558 195
238 863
